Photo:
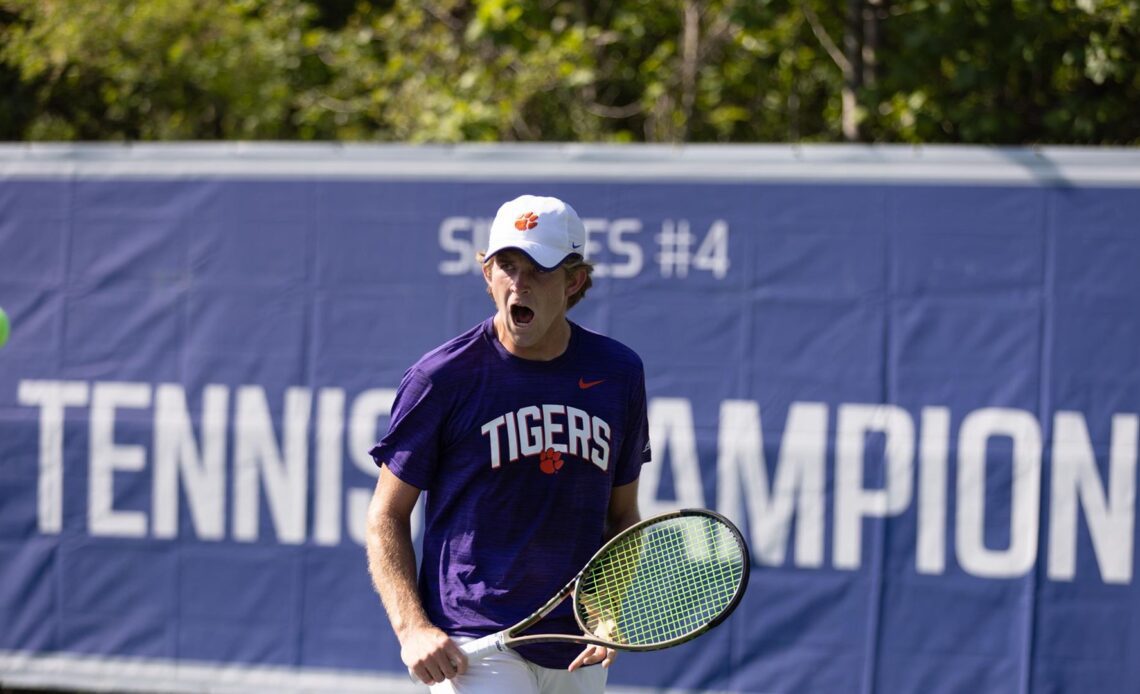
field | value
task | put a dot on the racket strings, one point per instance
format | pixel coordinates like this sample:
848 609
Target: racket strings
663 583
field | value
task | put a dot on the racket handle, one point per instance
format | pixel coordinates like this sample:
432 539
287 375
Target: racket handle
481 648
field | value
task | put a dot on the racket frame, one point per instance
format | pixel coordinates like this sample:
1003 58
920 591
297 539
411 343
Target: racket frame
502 640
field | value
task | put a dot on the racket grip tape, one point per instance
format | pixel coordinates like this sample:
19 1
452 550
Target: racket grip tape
481 648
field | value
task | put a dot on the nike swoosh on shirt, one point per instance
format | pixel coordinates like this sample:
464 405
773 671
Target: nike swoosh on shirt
584 384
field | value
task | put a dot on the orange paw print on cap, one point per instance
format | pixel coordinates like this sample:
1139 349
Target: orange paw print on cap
550 461
527 220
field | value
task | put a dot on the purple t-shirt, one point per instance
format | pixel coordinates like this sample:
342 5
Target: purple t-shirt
517 459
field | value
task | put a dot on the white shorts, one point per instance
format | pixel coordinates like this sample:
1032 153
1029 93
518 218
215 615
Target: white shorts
510 672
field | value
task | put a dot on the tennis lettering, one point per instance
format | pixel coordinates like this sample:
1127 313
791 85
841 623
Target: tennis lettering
200 454
945 487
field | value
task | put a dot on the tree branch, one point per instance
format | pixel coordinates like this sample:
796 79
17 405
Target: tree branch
824 38
690 59
617 112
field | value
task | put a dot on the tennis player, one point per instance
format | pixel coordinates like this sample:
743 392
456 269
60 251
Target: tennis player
527 434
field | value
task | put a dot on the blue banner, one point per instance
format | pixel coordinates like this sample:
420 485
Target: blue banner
919 401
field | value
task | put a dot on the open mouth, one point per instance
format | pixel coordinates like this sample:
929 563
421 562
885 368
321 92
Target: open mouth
521 315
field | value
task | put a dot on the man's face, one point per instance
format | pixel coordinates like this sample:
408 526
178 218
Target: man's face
531 319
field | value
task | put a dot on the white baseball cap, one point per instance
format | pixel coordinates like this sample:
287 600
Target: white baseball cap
546 229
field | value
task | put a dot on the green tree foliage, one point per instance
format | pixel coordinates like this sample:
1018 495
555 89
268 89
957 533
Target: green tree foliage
160 69
976 71
1001 71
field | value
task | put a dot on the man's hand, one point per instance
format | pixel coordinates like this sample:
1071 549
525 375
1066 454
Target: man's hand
602 624
431 655
594 654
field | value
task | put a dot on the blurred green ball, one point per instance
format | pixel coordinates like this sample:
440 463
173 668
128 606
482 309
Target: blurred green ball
4 327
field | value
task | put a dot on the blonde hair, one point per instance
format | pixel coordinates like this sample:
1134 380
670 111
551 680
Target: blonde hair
573 263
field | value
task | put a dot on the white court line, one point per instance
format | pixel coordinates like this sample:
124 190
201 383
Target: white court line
154 676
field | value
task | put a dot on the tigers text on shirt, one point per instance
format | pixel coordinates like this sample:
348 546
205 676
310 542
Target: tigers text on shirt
559 428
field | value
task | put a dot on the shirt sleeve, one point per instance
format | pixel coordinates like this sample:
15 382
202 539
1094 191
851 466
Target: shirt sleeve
411 447
635 450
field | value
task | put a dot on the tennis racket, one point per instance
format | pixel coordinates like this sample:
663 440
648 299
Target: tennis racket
659 583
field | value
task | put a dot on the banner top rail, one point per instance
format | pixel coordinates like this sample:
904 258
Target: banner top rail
849 164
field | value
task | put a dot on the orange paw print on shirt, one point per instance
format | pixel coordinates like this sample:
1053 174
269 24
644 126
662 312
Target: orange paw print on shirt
550 461
527 220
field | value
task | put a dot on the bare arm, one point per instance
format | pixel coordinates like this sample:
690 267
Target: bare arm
424 648
621 514
623 511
